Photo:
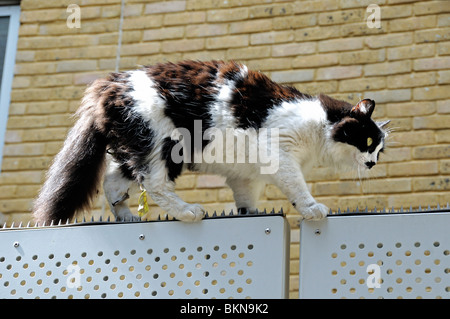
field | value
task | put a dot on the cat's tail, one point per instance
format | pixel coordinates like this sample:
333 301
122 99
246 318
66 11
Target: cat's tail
72 180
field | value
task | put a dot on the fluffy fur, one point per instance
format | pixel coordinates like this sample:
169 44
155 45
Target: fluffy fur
139 119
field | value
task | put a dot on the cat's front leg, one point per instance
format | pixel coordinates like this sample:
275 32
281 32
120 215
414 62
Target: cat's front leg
289 179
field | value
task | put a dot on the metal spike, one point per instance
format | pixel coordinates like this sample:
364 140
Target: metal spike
265 212
4 225
272 211
223 213
59 222
231 213
357 209
257 211
375 210
108 219
84 219
159 217
67 221
214 214
100 219
206 215
438 207
92 219
20 225
167 217
281 211
366 210
330 212
339 210
28 224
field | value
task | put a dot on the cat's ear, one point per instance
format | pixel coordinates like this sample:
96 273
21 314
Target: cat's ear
363 109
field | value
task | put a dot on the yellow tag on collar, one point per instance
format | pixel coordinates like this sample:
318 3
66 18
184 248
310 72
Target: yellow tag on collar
369 141
143 204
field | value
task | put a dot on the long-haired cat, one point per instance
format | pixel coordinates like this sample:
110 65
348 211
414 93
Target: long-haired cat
126 132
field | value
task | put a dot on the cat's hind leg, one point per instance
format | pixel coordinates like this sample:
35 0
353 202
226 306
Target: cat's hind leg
116 187
246 193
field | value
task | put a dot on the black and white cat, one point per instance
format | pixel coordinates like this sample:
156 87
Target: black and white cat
131 121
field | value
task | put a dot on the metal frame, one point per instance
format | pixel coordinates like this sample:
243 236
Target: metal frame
375 255
220 257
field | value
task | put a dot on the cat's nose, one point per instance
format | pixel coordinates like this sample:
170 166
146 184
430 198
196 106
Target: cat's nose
370 164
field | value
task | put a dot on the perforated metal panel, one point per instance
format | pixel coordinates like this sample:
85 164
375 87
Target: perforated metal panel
244 257
376 256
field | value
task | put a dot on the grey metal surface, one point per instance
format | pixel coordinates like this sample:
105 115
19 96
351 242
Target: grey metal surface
240 257
393 255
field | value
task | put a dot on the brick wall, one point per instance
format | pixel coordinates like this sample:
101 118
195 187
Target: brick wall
317 46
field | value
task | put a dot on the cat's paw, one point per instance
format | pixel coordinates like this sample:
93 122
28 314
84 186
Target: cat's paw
191 213
316 211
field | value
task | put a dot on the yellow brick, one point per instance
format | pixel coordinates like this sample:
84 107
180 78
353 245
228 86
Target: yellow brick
293 49
360 29
410 109
251 26
432 122
340 45
140 48
411 80
270 10
227 42
227 15
432 93
443 136
185 18
199 196
433 35
408 52
339 72
142 22
432 64
432 151
361 202
341 16
389 40
416 168
432 7
444 167
315 60
272 37
435 183
357 85
163 34
270 64
205 30
248 53
336 188
362 57
183 45
410 24
387 68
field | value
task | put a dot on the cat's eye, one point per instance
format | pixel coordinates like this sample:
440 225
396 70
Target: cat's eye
369 141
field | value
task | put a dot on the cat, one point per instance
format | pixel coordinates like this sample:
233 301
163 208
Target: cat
126 132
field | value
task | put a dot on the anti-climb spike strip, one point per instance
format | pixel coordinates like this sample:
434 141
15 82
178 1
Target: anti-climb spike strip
232 214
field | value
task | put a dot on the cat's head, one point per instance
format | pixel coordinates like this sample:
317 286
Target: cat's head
365 137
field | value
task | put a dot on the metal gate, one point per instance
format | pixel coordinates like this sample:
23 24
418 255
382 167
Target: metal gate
376 255
220 257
